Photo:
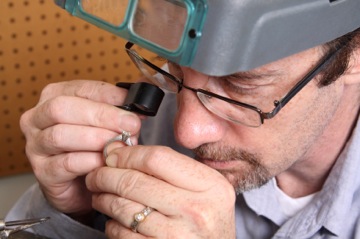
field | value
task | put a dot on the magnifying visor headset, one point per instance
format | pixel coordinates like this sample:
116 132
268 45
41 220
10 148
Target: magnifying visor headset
221 37
169 28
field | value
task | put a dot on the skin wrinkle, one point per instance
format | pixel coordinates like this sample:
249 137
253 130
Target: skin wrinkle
254 77
296 131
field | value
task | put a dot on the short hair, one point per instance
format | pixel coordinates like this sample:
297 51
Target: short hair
339 65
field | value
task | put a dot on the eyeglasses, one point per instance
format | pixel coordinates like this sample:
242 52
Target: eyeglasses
222 106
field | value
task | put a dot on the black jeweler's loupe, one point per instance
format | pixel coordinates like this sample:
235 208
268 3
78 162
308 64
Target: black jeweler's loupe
142 98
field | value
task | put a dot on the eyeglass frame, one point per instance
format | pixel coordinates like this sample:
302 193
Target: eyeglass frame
279 104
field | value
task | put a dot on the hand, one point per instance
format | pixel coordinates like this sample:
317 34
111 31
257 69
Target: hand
191 200
65 134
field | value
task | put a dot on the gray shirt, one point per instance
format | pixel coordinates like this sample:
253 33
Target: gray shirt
333 212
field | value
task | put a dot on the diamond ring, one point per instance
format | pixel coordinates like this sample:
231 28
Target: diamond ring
140 217
123 137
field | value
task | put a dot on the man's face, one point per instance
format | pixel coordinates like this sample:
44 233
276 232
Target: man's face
249 157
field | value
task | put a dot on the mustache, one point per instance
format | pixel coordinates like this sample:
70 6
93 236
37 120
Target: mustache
225 153
253 176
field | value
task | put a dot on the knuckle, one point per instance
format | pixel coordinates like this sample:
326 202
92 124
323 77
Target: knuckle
100 178
25 121
112 230
115 206
202 211
40 167
129 182
100 115
87 89
52 138
54 169
48 91
118 206
55 108
201 214
68 163
62 167
155 157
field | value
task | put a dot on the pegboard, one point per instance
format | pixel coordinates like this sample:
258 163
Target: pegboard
40 44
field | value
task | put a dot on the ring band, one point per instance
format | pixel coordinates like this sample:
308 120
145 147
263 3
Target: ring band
140 217
123 137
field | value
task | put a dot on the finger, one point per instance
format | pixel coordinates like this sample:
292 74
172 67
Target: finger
70 138
79 111
124 139
134 185
168 165
123 211
115 230
87 89
64 167
114 145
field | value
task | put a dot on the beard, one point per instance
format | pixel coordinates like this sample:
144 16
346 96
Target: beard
250 175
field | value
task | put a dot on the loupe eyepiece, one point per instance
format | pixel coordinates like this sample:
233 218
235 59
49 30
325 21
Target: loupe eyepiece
142 98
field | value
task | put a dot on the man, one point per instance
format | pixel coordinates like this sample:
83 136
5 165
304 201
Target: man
294 170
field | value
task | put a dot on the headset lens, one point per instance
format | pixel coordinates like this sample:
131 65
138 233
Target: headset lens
161 22
110 11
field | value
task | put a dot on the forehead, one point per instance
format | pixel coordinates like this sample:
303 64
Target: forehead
289 65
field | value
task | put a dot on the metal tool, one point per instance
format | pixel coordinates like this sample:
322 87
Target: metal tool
11 227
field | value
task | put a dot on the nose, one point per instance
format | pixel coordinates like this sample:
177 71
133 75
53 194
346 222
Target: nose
194 124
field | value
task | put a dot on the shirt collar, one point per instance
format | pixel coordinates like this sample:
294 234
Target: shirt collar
330 206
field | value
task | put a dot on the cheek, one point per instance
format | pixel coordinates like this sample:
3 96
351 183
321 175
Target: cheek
299 126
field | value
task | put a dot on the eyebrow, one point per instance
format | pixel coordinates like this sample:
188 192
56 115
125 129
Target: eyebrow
243 75
252 75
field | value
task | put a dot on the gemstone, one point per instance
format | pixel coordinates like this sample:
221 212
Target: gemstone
139 217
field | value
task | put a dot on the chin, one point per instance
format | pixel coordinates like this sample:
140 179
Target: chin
246 181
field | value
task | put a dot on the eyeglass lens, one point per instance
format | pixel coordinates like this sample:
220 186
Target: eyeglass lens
153 75
215 105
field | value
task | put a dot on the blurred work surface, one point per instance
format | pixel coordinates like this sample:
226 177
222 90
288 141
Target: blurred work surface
40 44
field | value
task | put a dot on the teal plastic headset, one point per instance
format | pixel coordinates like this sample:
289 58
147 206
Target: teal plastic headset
220 37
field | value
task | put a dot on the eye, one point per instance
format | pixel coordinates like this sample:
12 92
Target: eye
233 85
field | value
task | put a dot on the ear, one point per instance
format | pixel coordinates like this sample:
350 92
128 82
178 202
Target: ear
352 75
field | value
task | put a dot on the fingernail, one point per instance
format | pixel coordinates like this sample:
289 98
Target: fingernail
111 160
129 121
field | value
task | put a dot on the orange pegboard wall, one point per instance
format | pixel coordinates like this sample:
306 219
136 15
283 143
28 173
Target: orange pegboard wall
39 44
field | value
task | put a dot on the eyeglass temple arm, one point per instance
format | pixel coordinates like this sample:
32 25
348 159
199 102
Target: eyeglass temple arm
128 45
279 104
